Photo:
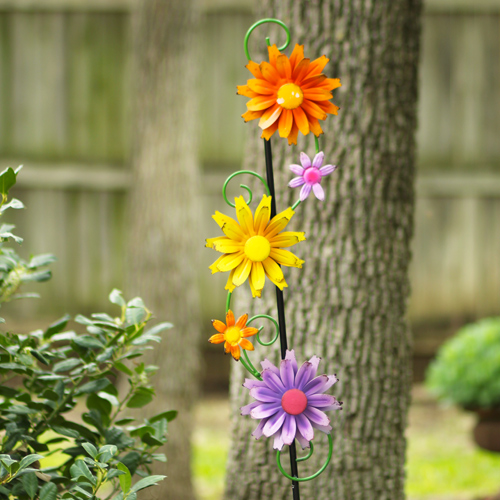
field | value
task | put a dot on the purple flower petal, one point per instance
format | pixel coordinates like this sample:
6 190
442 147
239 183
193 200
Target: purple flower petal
317 400
264 410
297 169
304 443
257 433
323 428
319 384
265 395
304 427
304 192
278 442
267 365
289 430
290 355
335 406
296 182
327 169
318 159
318 191
305 160
306 372
314 415
245 410
273 381
274 423
287 375
250 383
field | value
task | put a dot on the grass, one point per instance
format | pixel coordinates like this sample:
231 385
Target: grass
443 462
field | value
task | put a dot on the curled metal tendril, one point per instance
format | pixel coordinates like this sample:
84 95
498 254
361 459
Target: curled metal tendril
262 21
316 474
276 326
240 172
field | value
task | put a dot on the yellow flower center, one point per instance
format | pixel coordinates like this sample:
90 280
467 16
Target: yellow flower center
233 335
290 96
257 248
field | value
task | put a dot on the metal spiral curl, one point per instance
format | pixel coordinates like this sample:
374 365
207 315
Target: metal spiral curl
243 186
302 459
262 21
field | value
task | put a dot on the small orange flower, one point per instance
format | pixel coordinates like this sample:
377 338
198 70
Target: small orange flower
233 334
289 94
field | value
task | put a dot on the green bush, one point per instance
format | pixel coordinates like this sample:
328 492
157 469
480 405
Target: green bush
58 394
466 371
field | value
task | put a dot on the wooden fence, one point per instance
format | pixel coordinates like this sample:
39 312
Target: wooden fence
65 114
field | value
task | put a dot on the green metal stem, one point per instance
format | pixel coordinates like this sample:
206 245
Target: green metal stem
249 365
316 143
228 301
296 204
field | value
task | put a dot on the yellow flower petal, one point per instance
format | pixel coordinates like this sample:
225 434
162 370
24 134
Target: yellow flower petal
230 261
262 215
278 223
229 226
255 293
274 273
258 277
214 267
246 344
210 241
285 258
241 272
229 284
245 217
286 239
226 245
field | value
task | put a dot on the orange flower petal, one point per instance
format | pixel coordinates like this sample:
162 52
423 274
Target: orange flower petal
246 91
218 338
314 126
292 138
270 131
297 55
330 84
317 94
273 54
249 331
260 103
246 344
235 352
230 318
270 116
219 325
312 81
283 66
242 321
261 87
317 65
269 72
285 123
300 119
329 107
251 115
253 67
313 109
300 70
227 347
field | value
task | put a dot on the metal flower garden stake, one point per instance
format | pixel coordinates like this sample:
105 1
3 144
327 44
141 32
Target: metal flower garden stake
287 95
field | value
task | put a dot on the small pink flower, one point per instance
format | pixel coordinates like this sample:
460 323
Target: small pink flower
310 175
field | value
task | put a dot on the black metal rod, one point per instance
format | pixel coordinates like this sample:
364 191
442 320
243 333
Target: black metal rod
281 308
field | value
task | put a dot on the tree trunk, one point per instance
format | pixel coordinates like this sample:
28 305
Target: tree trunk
348 303
164 217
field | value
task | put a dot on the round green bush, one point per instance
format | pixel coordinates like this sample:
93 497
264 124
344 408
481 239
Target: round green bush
466 371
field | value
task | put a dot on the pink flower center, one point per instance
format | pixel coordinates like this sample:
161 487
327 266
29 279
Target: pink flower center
312 175
294 402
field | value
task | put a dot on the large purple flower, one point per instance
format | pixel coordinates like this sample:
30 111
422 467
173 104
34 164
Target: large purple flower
310 175
289 401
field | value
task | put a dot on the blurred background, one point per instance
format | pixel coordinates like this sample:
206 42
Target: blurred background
65 113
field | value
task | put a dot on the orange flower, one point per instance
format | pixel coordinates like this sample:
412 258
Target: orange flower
289 95
233 334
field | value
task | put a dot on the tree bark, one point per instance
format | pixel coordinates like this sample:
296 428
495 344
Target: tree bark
348 303
164 217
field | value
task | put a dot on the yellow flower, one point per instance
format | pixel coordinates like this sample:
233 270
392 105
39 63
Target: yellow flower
253 248
233 334
289 94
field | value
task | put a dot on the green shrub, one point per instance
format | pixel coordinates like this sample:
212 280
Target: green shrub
58 395
466 371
